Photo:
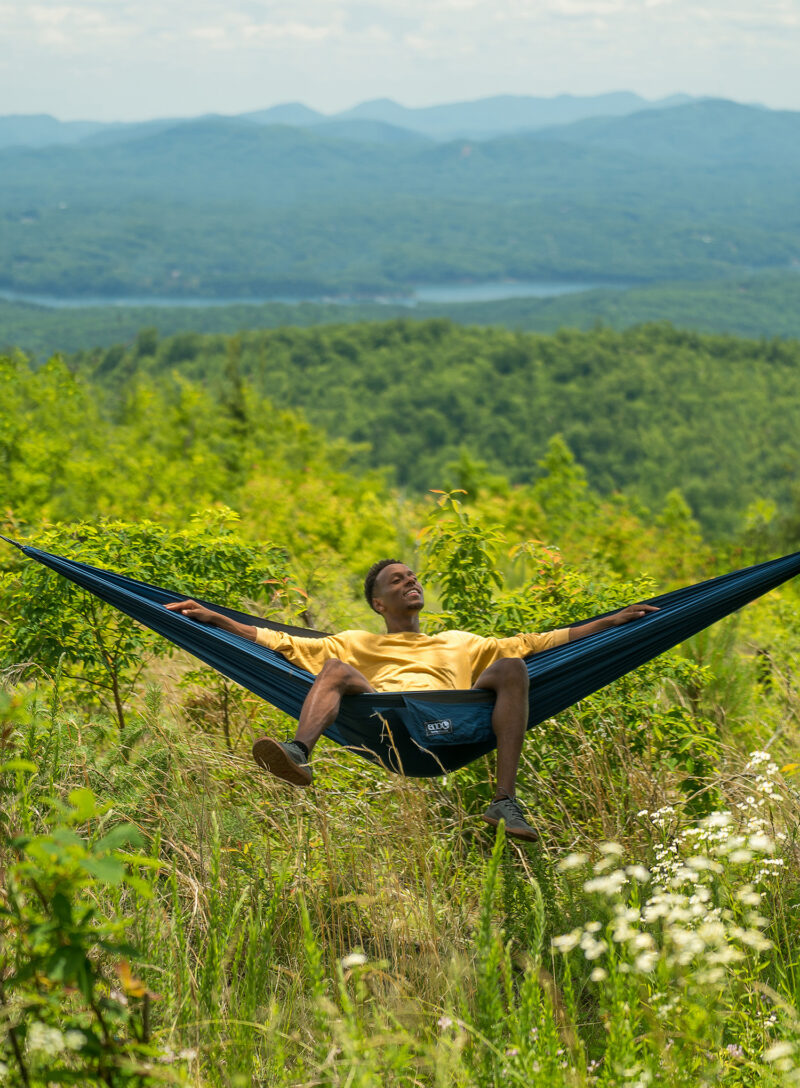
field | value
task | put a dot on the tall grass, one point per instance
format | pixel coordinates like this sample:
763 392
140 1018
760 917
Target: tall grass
372 931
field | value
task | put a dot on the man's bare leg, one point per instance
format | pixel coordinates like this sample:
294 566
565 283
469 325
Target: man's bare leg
508 679
320 709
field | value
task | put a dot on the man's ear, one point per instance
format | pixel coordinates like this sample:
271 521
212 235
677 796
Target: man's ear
377 604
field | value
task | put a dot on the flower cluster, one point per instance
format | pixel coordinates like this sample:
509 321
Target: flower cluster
49 1041
700 913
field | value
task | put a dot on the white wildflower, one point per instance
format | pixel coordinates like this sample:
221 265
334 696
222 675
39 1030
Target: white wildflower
44 1039
444 1022
638 872
740 857
710 976
599 974
567 941
609 884
762 843
778 1050
749 896
610 848
646 961
572 861
757 920
753 939
700 864
725 954
756 759
699 895
642 940
593 927
718 819
592 949
74 1040
354 959
712 932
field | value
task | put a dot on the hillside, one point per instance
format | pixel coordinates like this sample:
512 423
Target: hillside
297 211
479 119
646 411
172 915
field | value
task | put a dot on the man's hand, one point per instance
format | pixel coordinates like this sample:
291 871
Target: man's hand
616 619
632 612
194 611
201 614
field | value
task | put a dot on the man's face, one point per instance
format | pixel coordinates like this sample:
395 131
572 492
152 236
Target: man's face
397 590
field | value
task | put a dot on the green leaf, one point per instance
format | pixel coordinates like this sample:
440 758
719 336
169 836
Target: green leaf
18 765
84 805
118 836
106 870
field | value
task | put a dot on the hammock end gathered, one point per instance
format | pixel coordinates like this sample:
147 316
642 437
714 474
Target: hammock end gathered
15 543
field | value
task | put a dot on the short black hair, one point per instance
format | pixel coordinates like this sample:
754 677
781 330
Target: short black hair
372 574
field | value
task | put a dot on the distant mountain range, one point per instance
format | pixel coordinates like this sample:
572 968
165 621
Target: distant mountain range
360 205
381 120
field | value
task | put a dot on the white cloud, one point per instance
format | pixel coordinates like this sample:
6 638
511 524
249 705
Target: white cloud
302 32
187 56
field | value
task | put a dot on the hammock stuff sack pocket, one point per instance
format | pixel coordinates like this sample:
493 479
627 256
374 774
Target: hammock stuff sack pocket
433 722
428 733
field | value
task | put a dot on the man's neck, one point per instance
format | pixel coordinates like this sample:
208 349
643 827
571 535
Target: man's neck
396 625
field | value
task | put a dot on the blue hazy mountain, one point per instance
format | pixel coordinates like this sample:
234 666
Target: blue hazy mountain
487 117
480 119
42 130
229 206
713 131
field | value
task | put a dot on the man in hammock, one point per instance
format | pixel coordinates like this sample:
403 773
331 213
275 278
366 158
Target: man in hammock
405 659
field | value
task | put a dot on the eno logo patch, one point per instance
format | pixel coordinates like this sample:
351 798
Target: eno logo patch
438 729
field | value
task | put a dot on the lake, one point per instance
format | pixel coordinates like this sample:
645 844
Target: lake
491 291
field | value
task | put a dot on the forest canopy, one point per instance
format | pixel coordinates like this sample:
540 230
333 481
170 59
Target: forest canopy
645 411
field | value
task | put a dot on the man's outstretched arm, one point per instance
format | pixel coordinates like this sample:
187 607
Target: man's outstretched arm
616 619
202 614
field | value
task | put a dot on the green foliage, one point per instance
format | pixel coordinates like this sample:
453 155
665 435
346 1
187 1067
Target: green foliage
65 1018
372 932
165 448
628 719
55 622
459 556
639 410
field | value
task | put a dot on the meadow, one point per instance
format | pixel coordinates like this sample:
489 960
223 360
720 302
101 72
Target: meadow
170 915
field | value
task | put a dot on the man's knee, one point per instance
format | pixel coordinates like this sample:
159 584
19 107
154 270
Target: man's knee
508 672
341 676
334 671
513 670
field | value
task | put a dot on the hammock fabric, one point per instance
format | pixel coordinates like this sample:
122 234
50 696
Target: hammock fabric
423 734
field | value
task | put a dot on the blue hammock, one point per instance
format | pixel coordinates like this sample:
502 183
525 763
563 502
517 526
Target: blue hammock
424 734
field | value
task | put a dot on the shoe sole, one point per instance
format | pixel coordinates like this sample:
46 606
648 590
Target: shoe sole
273 758
527 834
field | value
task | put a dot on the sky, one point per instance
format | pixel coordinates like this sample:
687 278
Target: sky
135 59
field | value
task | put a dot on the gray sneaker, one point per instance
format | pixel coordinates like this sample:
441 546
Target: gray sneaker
509 810
284 760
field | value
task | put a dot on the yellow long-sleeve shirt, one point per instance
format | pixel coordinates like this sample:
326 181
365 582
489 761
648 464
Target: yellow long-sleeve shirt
408 661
